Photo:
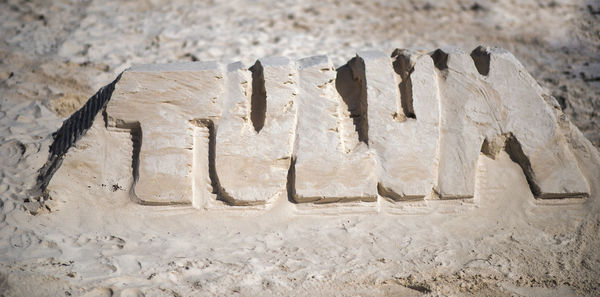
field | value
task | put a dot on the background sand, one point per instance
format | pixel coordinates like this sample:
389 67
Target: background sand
56 54
63 51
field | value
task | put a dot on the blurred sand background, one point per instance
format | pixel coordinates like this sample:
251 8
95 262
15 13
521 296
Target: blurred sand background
61 52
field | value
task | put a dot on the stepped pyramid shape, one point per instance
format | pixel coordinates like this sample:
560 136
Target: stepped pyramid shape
401 127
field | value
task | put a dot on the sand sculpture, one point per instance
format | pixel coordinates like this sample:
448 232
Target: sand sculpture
405 126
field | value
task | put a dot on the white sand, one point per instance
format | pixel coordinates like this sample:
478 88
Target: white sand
503 244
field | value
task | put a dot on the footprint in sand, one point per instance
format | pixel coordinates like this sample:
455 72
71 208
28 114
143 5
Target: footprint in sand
99 292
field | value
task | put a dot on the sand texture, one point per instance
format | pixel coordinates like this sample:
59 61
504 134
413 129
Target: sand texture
391 172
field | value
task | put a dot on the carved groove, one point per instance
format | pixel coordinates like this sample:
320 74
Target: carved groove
212 170
440 59
291 181
481 58
258 99
135 130
71 131
404 67
514 150
351 84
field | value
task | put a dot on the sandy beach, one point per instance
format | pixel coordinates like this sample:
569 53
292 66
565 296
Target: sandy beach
92 240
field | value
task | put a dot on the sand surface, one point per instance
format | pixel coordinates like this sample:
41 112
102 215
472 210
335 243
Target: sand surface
56 54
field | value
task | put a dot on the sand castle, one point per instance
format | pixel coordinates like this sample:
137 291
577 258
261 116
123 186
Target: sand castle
409 126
